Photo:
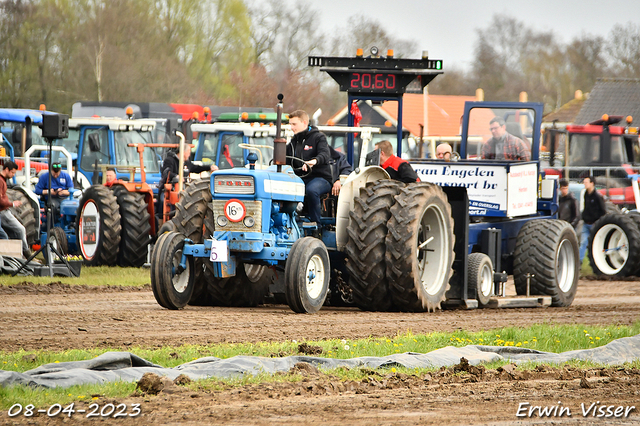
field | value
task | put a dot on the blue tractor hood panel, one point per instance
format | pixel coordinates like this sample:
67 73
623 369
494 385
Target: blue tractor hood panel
20 115
268 183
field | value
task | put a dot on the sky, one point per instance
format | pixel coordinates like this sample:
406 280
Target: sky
447 28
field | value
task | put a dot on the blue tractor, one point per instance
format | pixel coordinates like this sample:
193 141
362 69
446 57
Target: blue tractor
449 240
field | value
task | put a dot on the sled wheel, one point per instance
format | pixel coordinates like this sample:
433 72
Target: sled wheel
481 277
547 251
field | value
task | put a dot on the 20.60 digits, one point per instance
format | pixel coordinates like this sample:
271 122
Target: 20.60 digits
378 81
94 410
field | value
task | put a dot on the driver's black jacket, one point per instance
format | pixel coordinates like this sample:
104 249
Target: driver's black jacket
171 167
307 145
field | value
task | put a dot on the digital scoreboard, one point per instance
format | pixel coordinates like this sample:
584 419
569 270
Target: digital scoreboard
378 75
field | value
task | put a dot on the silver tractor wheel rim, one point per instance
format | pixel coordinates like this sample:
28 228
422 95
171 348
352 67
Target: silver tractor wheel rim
486 280
433 250
315 276
610 249
565 266
180 280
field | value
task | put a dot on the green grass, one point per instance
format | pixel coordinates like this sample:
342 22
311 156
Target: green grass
543 337
96 275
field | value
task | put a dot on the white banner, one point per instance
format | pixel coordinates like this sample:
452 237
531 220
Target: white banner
492 191
486 184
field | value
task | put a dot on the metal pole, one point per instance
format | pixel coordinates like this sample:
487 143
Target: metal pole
399 127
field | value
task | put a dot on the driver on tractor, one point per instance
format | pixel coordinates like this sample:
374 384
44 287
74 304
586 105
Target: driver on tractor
308 154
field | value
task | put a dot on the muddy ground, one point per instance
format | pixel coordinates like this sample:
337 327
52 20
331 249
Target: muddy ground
58 317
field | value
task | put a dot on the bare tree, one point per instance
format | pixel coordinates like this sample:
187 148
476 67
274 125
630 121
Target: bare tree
624 49
365 32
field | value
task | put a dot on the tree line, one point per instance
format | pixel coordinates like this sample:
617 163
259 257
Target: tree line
242 53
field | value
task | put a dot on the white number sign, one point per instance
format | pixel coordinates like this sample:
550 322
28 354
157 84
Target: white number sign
219 251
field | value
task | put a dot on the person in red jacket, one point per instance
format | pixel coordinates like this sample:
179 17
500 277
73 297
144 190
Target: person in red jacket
397 168
111 176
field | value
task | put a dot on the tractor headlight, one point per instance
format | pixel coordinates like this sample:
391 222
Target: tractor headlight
249 222
222 221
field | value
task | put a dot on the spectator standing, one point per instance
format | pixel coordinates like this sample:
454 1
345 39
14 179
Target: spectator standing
594 209
568 205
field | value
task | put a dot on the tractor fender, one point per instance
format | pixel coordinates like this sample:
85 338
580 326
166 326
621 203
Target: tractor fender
351 189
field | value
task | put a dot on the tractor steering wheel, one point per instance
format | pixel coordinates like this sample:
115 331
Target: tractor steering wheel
299 168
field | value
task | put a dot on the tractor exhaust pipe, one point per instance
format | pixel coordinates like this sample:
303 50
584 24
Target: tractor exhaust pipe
279 143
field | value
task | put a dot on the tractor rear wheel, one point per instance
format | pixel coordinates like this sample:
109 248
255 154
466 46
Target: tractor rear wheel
25 214
191 208
172 286
306 275
98 226
366 245
420 247
247 288
614 246
546 253
136 229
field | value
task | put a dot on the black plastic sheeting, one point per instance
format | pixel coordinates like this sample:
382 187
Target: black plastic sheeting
9 265
125 366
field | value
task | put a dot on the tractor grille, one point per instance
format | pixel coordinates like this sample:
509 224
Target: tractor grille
233 184
253 210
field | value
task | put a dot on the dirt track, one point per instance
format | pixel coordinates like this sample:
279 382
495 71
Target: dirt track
56 317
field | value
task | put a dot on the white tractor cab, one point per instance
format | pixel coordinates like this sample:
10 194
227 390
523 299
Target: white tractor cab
227 144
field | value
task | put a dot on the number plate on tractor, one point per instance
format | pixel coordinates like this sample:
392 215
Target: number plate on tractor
219 251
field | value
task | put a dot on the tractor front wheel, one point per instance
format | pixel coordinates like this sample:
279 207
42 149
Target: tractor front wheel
172 284
306 275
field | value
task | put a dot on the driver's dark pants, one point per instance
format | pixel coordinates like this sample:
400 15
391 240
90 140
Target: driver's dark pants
314 188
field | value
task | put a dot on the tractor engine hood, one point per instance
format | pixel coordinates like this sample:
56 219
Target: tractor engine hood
259 184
